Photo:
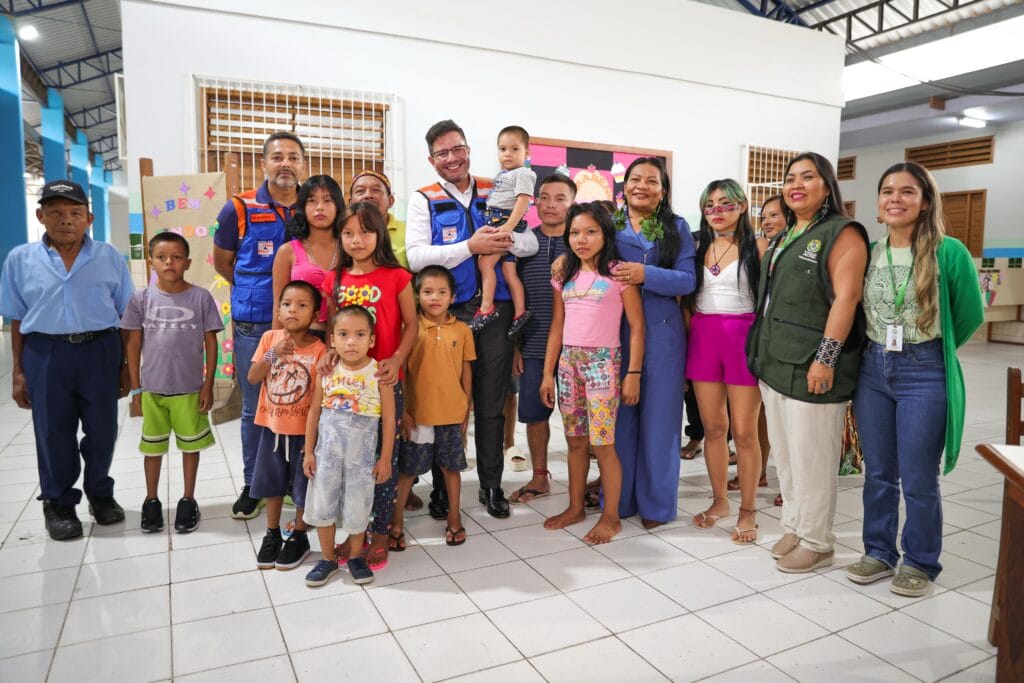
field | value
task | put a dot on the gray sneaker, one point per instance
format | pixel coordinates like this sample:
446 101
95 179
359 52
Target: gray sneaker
868 570
910 581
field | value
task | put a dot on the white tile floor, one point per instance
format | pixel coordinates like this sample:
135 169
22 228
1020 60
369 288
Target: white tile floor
515 603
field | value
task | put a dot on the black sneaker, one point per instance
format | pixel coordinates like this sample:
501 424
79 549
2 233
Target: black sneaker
187 517
62 522
360 571
152 516
106 510
295 550
246 507
271 548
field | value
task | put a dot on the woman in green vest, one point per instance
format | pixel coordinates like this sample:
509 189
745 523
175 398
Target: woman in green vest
922 301
805 349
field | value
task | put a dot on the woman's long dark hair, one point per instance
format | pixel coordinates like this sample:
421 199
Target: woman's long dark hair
298 227
833 202
746 243
668 245
603 218
371 220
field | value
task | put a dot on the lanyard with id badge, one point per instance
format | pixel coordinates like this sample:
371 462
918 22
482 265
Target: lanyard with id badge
894 330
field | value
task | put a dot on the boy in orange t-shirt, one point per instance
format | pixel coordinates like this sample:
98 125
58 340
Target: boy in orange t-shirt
285 366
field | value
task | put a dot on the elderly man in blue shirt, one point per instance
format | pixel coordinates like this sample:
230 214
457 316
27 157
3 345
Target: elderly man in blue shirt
64 296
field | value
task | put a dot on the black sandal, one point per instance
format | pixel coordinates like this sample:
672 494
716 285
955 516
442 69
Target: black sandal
453 533
396 544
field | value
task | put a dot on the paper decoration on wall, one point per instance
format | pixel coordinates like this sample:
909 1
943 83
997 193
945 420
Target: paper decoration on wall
988 280
188 205
597 169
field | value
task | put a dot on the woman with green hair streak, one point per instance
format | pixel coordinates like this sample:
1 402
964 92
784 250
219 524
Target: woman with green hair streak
722 307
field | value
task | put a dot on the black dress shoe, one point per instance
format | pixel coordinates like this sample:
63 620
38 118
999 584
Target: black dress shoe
106 510
62 523
495 501
438 506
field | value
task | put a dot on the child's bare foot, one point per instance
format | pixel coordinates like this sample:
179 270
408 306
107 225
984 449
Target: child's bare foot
377 554
564 519
707 519
342 551
604 531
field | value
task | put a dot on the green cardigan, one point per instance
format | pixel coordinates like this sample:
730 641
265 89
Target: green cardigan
961 313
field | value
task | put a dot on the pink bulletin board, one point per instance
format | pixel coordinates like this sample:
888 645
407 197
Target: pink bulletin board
597 169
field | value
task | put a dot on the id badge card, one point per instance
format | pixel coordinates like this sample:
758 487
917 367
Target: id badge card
894 337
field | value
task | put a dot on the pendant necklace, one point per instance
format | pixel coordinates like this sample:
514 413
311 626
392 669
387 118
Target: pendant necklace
715 270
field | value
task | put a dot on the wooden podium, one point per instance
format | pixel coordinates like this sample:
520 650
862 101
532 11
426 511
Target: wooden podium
1006 628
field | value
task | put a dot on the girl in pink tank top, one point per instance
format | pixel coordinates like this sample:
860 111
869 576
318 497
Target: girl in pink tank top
313 251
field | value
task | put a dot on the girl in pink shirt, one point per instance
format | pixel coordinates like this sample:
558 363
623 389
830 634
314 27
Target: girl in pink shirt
584 345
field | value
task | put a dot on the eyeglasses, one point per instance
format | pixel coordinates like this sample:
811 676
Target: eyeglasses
457 151
721 208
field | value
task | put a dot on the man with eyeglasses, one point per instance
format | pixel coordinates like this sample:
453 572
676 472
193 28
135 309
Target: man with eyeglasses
443 227
252 226
64 296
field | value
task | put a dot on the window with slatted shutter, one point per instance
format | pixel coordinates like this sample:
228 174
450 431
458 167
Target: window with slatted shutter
954 153
344 131
846 168
765 169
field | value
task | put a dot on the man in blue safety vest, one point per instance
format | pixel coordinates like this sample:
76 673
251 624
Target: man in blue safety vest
443 227
251 228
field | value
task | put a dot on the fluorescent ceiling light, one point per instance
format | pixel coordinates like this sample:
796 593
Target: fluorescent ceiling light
981 48
970 122
28 32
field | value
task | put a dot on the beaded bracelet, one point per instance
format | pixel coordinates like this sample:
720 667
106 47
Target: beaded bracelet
828 351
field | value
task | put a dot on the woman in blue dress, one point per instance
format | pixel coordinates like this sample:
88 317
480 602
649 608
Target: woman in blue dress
657 251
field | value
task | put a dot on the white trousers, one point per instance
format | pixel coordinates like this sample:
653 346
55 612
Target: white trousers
806 439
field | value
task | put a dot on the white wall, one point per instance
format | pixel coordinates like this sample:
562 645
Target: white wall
1004 220
664 74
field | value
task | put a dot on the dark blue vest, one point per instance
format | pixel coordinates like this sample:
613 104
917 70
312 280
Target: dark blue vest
451 223
262 232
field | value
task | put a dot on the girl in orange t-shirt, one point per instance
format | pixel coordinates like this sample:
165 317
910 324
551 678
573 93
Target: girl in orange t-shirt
369 275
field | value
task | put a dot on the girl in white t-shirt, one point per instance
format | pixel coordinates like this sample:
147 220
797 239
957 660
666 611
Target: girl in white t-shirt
584 344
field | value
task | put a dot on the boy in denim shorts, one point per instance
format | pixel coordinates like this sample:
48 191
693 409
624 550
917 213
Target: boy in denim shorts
174 325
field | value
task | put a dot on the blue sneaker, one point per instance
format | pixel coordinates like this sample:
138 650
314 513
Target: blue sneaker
322 572
360 571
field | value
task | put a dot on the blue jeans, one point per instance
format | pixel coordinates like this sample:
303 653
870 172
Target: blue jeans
900 407
247 338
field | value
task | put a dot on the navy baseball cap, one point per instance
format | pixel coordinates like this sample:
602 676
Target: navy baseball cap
63 189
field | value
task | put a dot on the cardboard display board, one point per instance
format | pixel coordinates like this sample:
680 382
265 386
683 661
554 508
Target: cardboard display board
188 205
597 169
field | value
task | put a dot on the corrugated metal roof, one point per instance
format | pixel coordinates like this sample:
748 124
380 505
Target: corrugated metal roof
896 17
70 32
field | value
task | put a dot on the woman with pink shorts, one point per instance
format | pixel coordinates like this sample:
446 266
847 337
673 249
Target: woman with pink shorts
716 363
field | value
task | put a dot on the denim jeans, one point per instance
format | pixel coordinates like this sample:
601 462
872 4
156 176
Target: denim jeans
900 407
247 338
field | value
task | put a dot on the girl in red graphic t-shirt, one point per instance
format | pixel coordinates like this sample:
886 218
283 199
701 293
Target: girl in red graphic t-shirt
368 274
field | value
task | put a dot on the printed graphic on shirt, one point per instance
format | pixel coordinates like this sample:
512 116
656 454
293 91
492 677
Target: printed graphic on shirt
352 393
880 305
174 318
596 290
366 296
289 380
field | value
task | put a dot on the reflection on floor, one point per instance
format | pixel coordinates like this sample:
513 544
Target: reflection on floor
515 603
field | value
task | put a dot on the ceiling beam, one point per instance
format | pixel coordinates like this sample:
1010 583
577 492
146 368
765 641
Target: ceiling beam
876 20
780 12
94 116
37 6
84 69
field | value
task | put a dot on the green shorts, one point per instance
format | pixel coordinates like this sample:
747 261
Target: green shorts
180 413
